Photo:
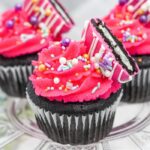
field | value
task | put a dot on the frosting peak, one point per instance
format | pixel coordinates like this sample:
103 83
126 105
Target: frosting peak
70 75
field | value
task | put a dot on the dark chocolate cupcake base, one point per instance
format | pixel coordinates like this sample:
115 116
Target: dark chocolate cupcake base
74 123
138 90
14 73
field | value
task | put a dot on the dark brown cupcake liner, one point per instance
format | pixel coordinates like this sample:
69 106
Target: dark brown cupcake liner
13 80
138 90
75 129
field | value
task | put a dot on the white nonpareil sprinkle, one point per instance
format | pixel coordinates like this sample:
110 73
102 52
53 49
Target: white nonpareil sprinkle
75 61
52 55
56 80
62 60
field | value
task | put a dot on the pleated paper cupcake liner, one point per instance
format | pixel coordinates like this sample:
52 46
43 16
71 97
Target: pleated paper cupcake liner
75 129
13 80
138 90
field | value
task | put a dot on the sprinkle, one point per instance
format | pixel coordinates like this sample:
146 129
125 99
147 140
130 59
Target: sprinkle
60 88
87 67
69 64
52 88
27 24
145 36
96 65
35 1
56 80
48 12
42 41
47 65
107 73
65 42
52 69
36 9
63 47
74 87
47 89
62 60
42 67
75 61
96 88
63 67
52 55
86 56
130 8
69 85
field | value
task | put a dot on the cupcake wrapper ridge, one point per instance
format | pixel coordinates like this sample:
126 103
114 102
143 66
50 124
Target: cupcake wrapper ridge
138 90
74 129
13 80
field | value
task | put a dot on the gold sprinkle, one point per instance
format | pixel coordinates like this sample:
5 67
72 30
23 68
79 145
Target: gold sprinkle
48 12
36 9
86 56
42 67
34 1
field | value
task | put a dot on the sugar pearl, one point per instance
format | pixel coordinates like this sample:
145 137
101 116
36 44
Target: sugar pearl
130 8
42 67
107 73
62 60
56 80
96 65
75 61
52 88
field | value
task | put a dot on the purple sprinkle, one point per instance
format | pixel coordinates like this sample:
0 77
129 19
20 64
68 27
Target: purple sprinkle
18 7
143 19
123 2
65 42
33 20
10 24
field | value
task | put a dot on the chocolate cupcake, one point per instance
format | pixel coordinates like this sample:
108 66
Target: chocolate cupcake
24 31
76 87
134 33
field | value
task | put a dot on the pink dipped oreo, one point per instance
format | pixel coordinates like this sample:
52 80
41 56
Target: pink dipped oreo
51 13
100 43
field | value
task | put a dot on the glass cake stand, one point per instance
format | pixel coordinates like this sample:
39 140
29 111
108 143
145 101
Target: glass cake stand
130 119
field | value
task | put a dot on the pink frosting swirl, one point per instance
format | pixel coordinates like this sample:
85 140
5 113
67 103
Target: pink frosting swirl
135 37
67 74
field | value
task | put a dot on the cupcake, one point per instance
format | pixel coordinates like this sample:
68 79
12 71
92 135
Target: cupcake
74 91
24 31
135 36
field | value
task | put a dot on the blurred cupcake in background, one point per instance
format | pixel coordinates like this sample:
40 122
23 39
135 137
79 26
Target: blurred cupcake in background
24 31
75 94
132 30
